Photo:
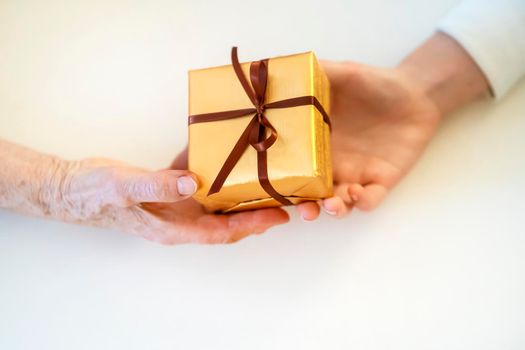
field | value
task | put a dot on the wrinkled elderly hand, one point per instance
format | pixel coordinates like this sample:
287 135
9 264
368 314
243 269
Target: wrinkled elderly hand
157 205
105 193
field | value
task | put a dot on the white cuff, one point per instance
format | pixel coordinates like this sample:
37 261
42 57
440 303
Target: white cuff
493 33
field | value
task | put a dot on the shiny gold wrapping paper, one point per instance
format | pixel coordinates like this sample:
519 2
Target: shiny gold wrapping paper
299 163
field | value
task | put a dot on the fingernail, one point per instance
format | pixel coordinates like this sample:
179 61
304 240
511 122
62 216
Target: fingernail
354 197
330 212
304 219
186 185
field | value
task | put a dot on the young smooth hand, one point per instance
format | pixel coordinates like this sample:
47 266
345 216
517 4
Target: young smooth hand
381 123
383 118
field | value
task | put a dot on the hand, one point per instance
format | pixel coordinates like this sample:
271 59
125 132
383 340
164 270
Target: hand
154 205
383 118
382 121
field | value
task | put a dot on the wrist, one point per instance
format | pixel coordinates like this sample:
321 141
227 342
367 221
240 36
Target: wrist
445 73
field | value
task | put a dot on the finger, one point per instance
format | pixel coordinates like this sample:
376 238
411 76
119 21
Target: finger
240 225
181 161
367 197
257 221
160 186
341 191
334 70
335 206
308 210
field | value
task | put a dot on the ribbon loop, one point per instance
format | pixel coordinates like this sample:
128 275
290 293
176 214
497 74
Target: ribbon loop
242 79
266 142
259 78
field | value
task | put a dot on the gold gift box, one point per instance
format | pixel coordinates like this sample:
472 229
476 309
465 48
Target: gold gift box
299 163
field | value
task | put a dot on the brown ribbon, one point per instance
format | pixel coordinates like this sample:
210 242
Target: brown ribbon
255 133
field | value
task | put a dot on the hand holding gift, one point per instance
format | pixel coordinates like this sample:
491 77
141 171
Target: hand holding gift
384 117
266 152
155 205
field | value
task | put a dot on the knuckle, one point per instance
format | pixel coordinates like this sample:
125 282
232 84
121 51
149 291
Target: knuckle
115 187
121 190
154 189
374 170
160 188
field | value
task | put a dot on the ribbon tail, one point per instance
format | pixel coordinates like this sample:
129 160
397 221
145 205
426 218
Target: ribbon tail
235 154
262 167
262 170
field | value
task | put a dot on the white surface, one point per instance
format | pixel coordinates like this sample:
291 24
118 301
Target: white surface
439 266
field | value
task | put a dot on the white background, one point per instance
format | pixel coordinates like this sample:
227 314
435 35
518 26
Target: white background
440 265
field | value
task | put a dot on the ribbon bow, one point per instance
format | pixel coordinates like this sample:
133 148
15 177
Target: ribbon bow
255 132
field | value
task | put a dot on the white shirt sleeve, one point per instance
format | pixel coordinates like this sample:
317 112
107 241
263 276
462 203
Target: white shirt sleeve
493 33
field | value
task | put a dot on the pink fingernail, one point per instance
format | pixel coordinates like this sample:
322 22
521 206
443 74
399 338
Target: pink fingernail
186 185
330 212
305 219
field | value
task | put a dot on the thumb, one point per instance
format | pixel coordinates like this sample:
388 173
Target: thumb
159 186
